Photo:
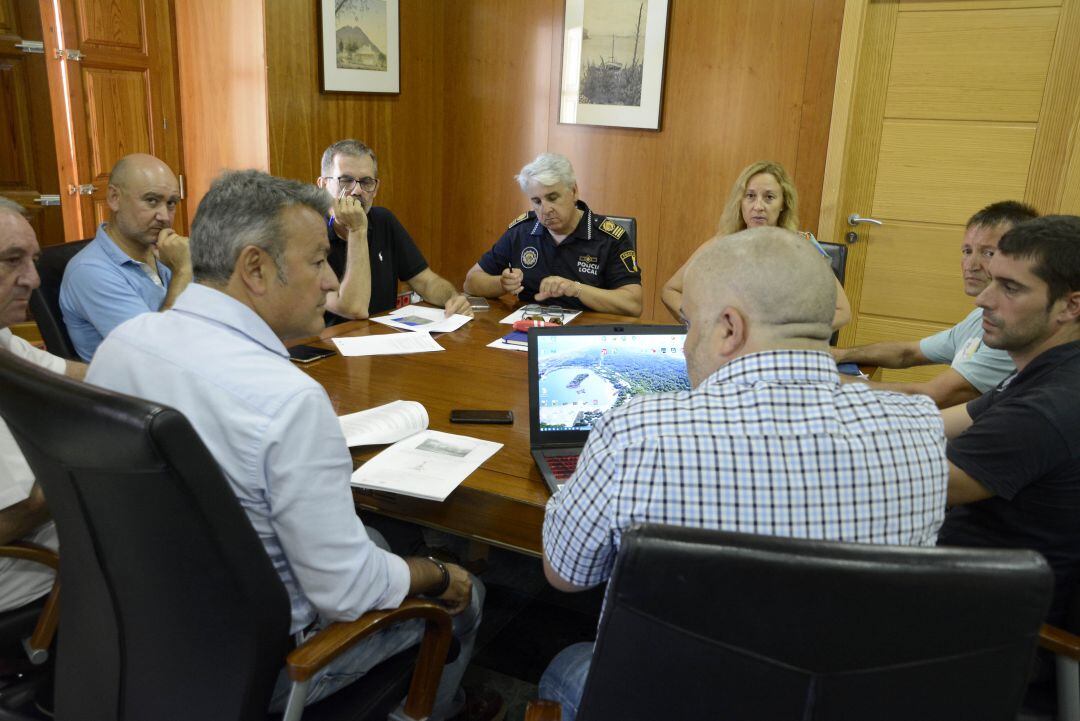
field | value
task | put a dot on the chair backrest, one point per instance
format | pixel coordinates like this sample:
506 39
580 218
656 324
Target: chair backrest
630 225
171 609
45 300
837 259
776 628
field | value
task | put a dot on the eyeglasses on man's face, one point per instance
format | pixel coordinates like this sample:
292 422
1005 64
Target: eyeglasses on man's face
349 183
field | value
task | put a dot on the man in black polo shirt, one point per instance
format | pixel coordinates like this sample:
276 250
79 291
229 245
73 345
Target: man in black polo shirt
560 252
1014 453
369 248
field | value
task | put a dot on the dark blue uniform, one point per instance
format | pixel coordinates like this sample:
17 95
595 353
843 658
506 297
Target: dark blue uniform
597 253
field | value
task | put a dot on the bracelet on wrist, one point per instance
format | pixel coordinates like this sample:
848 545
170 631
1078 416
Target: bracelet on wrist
444 584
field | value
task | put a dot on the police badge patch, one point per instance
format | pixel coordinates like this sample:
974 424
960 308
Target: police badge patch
613 229
529 256
629 260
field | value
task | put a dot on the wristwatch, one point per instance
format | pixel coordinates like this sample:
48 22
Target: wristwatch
445 584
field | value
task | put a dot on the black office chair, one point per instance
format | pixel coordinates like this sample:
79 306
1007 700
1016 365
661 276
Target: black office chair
45 300
26 633
630 225
760 627
1064 644
172 609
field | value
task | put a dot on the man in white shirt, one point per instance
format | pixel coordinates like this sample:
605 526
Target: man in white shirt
23 512
259 259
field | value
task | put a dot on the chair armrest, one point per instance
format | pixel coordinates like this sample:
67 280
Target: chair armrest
332 641
37 648
543 710
1059 641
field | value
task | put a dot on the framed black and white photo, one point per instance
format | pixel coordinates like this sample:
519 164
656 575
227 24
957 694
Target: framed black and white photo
613 62
359 50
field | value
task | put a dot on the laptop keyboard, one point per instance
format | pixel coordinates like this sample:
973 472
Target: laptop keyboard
562 466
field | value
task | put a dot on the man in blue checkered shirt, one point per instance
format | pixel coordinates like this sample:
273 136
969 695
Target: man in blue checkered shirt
768 441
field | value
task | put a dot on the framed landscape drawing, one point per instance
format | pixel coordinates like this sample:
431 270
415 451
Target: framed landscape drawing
359 50
613 62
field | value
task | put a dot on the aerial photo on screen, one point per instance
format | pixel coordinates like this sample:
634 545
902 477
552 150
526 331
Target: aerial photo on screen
582 377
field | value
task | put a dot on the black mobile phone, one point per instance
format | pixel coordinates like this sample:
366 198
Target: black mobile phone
498 417
308 353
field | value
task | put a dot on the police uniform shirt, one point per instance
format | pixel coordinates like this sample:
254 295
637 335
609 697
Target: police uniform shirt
393 255
597 253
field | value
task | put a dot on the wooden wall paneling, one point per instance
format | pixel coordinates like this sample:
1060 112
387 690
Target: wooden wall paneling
111 24
497 117
938 66
404 130
9 22
1057 140
224 112
816 113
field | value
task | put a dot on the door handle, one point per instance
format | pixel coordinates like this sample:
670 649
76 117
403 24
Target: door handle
46 200
855 219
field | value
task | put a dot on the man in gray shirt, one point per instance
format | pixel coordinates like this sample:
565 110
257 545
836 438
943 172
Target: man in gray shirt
974 368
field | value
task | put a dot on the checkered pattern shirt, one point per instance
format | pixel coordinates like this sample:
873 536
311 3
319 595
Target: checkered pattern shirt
771 443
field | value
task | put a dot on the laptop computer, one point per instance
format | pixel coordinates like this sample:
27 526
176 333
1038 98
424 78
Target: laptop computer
577 373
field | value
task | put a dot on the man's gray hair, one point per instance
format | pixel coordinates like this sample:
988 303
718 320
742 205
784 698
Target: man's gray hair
350 147
13 207
243 207
547 169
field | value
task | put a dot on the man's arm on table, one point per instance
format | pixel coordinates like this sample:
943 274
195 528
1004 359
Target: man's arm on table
624 300
20 519
353 296
173 251
480 282
438 291
948 388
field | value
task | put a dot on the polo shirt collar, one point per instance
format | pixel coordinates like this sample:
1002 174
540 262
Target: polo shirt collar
584 227
222 309
113 251
778 366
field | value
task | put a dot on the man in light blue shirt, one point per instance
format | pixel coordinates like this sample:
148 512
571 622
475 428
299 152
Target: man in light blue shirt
136 263
259 250
974 367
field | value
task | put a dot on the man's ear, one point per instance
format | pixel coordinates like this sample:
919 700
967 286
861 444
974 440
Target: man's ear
254 268
112 197
1071 307
321 182
731 330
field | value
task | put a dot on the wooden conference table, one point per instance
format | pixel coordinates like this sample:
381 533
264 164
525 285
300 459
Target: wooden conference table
502 502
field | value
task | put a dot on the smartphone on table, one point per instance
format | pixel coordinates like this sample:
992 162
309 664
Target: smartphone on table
495 417
309 353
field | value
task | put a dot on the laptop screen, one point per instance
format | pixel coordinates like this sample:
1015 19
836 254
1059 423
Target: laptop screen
577 373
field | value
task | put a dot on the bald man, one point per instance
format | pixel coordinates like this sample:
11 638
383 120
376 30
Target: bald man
815 459
136 263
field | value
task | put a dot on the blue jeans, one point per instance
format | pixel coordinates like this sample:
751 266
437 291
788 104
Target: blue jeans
358 660
564 678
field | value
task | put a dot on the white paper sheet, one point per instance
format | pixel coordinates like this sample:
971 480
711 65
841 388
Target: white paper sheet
419 318
384 424
392 344
567 316
430 464
503 345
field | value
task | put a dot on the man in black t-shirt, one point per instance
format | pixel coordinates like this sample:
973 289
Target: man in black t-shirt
560 252
369 248
1014 453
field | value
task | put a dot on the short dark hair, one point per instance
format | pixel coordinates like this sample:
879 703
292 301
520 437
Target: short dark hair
1011 212
1053 243
349 147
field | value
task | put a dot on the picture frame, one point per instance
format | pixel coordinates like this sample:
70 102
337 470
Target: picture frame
613 62
359 46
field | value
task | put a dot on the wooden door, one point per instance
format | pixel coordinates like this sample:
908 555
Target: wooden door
942 107
115 84
27 157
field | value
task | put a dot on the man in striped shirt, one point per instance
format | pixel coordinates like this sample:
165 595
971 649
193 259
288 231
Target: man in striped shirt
768 441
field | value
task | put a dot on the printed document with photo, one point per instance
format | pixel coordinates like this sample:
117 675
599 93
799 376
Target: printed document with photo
419 318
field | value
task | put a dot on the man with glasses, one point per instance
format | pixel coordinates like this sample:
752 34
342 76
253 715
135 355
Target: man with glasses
370 250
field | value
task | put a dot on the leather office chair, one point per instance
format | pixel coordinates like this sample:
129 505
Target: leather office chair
26 633
630 225
1064 643
172 608
45 300
777 628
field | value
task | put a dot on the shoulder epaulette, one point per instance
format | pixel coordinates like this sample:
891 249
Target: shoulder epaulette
521 218
612 228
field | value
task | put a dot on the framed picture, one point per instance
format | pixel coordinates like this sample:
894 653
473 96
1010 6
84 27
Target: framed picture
613 62
359 50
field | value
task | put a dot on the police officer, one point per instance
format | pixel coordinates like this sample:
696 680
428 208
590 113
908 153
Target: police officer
560 252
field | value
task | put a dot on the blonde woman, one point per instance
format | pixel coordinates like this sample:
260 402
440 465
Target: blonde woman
763 195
